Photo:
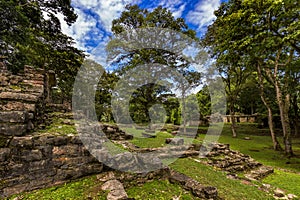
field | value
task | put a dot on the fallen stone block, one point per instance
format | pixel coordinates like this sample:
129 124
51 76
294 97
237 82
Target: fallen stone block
198 190
175 141
116 190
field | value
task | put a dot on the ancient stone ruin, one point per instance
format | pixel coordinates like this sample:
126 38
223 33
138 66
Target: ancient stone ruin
21 106
31 158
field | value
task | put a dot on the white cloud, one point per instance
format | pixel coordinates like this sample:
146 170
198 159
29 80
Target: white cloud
95 18
175 6
203 14
82 29
107 10
179 12
93 13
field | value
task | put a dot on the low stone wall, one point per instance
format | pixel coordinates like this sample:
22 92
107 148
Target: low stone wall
241 118
37 161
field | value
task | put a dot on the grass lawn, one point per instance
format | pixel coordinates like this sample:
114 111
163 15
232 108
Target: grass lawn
259 147
85 188
227 188
159 190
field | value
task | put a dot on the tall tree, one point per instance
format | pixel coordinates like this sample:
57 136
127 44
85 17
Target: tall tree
265 33
133 18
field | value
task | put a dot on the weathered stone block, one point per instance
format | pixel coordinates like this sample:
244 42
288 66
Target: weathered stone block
19 96
28 87
17 106
13 129
14 190
13 117
34 82
148 135
4 153
31 155
175 141
116 190
60 140
194 186
71 150
38 165
18 142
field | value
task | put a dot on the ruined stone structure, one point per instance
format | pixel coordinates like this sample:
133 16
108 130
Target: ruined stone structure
30 160
241 118
21 105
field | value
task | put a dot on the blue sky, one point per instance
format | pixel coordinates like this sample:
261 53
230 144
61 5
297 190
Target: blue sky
93 26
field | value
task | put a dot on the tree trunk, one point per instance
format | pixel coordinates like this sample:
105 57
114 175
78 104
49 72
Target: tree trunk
283 100
183 111
284 116
233 124
296 121
276 144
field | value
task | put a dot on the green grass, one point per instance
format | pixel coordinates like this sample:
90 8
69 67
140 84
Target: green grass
85 188
259 147
133 131
159 190
290 182
227 188
159 141
57 126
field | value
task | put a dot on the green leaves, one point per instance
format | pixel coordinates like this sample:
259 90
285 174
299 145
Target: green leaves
27 38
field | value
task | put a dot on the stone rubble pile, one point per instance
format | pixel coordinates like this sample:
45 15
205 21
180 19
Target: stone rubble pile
222 157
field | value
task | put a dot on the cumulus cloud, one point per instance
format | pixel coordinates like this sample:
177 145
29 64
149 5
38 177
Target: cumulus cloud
203 14
106 10
94 21
175 6
82 30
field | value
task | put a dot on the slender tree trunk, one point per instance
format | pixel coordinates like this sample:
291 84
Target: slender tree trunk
284 116
232 118
276 144
183 111
296 121
283 100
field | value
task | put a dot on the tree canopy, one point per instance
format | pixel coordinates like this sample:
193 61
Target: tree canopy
30 33
263 36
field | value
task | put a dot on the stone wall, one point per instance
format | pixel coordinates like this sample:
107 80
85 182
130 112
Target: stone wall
41 160
31 160
21 102
241 118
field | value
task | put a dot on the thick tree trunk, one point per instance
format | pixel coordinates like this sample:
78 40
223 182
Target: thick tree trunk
276 144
